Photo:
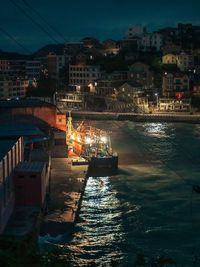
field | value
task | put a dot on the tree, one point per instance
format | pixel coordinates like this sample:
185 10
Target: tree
109 44
45 87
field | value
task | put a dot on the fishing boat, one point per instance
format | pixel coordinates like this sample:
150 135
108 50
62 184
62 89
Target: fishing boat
92 144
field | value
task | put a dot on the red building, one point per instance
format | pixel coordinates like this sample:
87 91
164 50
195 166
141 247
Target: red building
31 180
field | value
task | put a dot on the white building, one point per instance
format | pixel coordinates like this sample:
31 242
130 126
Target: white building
150 40
135 31
83 75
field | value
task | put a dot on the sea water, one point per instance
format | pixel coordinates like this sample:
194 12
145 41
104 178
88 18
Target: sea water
148 207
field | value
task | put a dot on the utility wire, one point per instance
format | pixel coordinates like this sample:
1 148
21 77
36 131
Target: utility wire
35 22
12 38
42 18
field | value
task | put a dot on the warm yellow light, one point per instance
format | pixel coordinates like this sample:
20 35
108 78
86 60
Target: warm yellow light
88 140
103 139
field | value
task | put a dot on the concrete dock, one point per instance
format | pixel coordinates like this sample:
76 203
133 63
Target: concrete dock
66 190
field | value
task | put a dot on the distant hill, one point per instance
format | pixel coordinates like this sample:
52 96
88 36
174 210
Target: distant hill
13 55
44 51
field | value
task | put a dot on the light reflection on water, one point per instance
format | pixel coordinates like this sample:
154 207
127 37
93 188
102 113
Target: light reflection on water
100 224
148 207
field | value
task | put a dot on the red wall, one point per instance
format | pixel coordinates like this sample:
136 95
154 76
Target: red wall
47 114
28 191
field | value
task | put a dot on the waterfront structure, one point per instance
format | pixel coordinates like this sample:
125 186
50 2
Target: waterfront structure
142 74
31 180
175 85
171 104
70 100
10 155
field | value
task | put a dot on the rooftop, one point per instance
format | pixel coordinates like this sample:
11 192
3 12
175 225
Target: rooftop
24 103
30 166
19 130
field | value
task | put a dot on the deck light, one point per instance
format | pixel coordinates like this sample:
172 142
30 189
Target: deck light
103 139
88 140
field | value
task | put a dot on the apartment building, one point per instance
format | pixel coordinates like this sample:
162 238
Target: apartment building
54 64
152 40
83 75
175 85
11 87
141 73
33 70
135 31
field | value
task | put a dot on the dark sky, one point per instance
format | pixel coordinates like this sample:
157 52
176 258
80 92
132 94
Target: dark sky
76 19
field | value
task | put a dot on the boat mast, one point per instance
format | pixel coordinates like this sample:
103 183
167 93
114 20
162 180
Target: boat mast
69 126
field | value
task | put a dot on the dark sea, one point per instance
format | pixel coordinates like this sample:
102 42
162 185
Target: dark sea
149 207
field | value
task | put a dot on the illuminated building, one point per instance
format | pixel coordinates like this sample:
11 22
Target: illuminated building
175 84
83 75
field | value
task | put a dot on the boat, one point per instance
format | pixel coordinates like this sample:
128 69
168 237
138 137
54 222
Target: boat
92 144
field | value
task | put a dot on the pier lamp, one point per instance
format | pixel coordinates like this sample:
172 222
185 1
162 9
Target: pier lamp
88 140
156 94
103 139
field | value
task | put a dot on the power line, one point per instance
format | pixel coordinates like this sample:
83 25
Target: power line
42 18
12 38
35 22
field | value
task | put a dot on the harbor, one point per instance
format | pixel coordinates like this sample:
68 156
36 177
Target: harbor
146 207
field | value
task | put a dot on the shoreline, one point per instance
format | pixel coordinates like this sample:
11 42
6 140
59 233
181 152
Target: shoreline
154 117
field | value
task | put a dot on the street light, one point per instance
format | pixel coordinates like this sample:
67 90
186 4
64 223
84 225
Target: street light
156 94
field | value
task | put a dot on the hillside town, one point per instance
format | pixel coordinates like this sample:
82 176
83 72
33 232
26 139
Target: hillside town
142 73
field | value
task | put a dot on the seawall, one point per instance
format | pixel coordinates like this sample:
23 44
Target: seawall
155 117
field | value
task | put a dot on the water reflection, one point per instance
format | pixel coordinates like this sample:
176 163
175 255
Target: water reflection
100 224
146 208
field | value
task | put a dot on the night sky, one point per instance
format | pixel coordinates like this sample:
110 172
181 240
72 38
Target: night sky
75 19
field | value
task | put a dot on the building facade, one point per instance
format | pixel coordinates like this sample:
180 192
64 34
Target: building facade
175 85
83 75
152 40
141 73
135 31
11 154
167 104
11 87
170 59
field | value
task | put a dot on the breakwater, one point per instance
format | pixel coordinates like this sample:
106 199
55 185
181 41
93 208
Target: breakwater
155 117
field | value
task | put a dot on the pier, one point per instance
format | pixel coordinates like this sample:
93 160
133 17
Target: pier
66 190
